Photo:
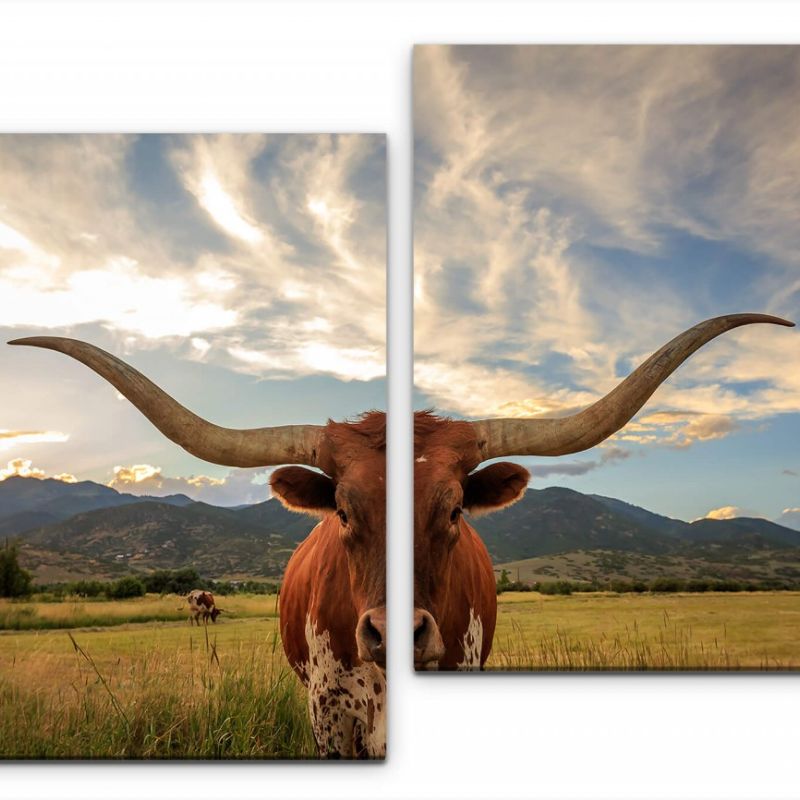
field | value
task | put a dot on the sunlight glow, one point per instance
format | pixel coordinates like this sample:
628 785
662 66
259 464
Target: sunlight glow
10 438
221 207
21 468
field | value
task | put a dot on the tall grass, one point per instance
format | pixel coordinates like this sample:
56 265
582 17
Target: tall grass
601 631
196 700
672 647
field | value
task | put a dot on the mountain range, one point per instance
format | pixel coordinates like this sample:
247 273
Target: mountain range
560 534
70 530
558 520
86 529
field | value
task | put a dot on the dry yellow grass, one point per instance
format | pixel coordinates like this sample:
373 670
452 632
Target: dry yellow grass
78 613
599 631
154 690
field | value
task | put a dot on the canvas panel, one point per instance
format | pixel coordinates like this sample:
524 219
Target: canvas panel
244 275
576 208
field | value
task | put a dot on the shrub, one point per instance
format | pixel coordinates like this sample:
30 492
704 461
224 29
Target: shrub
176 581
14 580
621 587
87 588
667 585
554 587
730 586
124 588
503 582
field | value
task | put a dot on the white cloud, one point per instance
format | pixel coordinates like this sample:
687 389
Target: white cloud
530 159
301 243
200 347
21 468
355 363
677 429
137 473
221 207
238 487
9 439
119 294
729 512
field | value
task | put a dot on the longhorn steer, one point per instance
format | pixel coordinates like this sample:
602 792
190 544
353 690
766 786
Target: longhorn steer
333 596
201 604
454 586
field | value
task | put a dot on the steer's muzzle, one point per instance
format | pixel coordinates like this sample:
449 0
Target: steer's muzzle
428 642
371 636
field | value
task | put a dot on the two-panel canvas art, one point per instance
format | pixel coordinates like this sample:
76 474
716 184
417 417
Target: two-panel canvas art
193 416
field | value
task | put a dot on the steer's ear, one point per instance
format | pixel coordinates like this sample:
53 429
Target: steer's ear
496 486
300 489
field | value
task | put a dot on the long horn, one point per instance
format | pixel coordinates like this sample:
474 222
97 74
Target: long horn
256 447
558 437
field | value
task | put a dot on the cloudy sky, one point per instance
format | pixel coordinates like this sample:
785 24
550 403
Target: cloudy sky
577 207
244 274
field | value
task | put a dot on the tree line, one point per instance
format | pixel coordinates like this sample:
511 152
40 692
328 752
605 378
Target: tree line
661 585
18 582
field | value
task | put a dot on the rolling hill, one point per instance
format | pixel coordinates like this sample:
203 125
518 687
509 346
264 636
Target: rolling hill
23 500
559 534
557 520
153 535
86 529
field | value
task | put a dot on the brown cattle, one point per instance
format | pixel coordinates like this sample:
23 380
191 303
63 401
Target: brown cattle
201 604
333 596
454 586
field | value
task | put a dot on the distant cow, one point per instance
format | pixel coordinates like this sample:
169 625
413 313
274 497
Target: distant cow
201 604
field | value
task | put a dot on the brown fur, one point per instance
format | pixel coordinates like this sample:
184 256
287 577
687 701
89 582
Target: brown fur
338 573
202 604
453 572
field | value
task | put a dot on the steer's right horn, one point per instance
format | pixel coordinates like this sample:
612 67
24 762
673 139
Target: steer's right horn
587 428
254 447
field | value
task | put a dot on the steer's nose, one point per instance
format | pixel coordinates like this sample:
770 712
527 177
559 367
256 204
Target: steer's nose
371 636
428 643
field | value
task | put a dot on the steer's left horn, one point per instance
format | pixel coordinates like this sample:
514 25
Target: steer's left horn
256 447
558 437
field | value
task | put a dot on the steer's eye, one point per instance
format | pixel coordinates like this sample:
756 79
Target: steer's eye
342 516
455 514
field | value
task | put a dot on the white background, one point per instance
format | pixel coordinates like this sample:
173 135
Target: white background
335 66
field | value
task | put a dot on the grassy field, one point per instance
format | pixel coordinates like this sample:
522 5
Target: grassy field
598 631
78 613
154 689
132 679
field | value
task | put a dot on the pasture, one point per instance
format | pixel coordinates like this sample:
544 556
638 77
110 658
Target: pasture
132 679
605 631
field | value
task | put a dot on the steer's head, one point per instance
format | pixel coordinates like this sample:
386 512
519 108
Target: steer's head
351 485
447 484
448 481
351 490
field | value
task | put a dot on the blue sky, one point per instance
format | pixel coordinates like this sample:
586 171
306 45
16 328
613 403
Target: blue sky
577 207
245 274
